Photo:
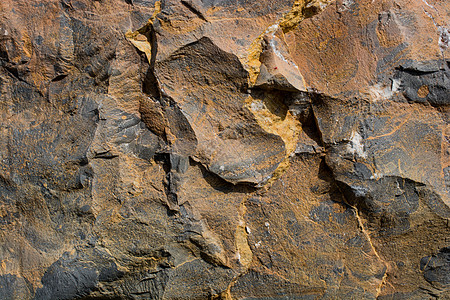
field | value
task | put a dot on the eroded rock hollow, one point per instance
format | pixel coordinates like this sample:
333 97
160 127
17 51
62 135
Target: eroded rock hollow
218 149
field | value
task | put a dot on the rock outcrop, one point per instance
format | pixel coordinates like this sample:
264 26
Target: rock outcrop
199 149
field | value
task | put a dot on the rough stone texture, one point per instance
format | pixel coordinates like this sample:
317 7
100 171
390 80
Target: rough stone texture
199 149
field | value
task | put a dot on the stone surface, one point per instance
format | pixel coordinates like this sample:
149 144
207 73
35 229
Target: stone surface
201 149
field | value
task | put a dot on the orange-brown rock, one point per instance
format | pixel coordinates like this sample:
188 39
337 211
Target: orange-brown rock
199 149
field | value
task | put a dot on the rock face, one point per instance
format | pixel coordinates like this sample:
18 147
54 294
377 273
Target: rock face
198 149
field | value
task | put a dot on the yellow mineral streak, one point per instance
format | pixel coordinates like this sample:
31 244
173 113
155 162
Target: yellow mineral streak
287 127
283 124
138 39
243 250
302 9
27 45
252 62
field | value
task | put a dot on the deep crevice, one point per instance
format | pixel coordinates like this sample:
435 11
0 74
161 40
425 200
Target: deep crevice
220 184
171 197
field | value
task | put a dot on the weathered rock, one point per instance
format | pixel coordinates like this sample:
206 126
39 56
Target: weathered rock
200 149
209 87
